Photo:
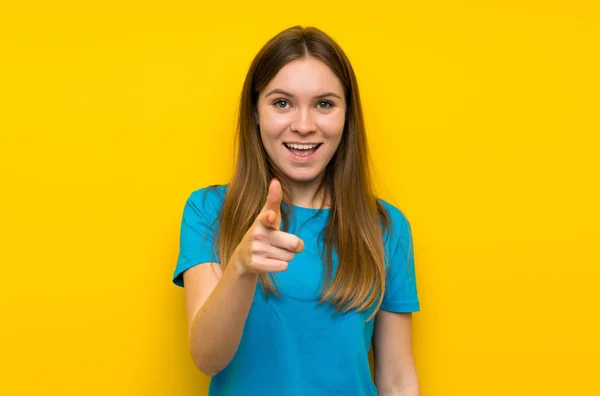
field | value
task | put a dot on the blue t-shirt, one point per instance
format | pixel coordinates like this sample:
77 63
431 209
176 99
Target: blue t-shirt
291 345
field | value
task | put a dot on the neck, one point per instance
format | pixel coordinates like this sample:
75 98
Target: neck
304 193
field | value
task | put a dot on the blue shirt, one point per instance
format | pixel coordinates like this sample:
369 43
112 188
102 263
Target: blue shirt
291 345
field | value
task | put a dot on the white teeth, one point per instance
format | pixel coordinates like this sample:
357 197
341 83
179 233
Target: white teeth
301 146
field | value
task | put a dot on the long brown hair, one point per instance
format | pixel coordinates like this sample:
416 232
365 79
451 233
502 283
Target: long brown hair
357 220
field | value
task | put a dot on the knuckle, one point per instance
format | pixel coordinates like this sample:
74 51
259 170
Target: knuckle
256 234
261 267
255 262
256 248
260 232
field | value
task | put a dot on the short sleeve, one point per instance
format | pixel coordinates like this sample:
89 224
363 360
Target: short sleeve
401 285
198 223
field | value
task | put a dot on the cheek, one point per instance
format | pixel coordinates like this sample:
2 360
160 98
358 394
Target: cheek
332 127
273 124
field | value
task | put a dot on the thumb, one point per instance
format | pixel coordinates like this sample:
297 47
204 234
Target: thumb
274 197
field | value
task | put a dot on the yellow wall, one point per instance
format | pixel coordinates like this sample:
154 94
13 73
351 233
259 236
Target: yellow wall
483 122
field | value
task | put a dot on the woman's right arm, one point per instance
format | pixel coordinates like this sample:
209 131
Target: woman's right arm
218 301
217 307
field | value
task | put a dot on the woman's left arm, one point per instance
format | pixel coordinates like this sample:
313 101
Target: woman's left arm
395 370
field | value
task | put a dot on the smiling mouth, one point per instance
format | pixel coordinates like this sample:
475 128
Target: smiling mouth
302 150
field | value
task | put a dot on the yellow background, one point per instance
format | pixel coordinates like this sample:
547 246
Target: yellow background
483 120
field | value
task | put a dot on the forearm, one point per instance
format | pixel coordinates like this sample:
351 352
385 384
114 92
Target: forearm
217 326
401 381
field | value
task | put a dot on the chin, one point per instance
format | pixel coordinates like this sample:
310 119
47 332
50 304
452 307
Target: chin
302 177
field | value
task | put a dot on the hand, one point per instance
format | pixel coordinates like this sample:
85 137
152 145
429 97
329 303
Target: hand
264 248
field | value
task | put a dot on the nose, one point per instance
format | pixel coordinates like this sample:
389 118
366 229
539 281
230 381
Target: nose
303 122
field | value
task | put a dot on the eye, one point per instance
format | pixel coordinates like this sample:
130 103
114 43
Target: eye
280 103
325 104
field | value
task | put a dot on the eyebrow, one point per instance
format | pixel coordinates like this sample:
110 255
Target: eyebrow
282 92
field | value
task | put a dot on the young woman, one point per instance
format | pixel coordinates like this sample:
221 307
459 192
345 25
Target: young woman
294 268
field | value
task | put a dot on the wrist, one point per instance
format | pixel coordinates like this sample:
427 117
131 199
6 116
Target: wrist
239 269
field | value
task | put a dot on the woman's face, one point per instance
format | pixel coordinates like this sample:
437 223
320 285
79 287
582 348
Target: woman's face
301 113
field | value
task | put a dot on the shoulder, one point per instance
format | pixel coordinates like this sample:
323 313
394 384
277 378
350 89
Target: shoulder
212 195
397 236
397 218
206 201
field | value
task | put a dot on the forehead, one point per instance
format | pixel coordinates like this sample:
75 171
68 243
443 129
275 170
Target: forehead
306 77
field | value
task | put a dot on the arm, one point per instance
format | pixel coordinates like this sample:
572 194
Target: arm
217 305
217 301
395 371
